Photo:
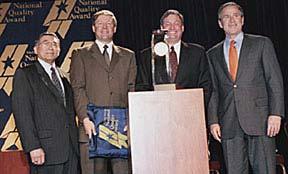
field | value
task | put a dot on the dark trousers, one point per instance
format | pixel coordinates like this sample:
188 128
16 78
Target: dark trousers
242 150
69 167
101 165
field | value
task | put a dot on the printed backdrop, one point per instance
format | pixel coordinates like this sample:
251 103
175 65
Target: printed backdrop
20 25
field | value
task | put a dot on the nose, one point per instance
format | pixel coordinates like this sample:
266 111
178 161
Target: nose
104 26
231 18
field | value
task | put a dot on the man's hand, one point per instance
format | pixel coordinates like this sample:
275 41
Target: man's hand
274 123
89 127
215 131
37 156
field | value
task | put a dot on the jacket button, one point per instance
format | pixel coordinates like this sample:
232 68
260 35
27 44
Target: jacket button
234 86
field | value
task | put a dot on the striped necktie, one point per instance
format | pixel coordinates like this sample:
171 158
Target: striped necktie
56 81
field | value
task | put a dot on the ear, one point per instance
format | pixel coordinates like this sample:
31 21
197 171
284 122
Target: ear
182 28
220 23
93 28
35 49
114 29
242 20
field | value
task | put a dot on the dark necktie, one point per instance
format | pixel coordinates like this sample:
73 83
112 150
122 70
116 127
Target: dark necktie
173 63
56 82
233 60
106 55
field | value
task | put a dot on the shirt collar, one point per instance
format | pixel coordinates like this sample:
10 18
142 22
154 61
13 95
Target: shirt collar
177 48
238 39
47 66
101 46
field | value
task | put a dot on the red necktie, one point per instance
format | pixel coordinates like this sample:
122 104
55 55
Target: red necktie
173 63
233 60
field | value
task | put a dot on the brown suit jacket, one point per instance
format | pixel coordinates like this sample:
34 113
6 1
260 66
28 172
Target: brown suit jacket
93 81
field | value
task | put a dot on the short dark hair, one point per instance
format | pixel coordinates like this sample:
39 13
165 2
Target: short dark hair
46 33
171 12
229 4
104 12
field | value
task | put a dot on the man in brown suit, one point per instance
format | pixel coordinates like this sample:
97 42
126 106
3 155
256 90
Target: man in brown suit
103 80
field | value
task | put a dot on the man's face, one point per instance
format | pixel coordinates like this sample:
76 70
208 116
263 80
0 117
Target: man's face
231 21
47 48
104 28
175 28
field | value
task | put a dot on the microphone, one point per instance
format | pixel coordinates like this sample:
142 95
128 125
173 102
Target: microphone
160 31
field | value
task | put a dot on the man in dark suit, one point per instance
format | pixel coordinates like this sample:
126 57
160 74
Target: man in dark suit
42 104
102 74
247 102
192 65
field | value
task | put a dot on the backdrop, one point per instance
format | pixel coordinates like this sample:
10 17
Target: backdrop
22 21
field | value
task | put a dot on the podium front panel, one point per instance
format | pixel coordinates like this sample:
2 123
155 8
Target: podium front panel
167 132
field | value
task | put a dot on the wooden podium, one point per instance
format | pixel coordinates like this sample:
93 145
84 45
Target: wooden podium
167 132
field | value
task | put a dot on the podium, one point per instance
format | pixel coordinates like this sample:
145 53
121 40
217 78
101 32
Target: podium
167 132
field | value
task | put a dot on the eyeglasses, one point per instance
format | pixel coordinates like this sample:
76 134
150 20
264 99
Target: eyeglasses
49 44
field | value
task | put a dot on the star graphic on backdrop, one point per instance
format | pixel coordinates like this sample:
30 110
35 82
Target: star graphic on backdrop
62 7
8 63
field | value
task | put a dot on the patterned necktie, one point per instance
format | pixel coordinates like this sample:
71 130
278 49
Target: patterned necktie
173 63
56 82
233 60
106 55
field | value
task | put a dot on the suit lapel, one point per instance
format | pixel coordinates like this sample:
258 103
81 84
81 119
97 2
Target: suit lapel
115 57
96 53
220 59
47 81
68 94
243 56
184 55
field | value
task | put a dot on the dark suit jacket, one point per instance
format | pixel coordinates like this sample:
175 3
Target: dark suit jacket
193 69
93 81
256 93
41 117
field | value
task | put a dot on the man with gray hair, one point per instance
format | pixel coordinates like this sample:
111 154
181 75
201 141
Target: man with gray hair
42 103
247 102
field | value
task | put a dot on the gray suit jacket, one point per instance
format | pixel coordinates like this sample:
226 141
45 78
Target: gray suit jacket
256 93
41 117
93 81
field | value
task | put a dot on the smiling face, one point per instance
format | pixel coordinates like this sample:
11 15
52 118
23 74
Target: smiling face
175 28
104 28
231 20
47 48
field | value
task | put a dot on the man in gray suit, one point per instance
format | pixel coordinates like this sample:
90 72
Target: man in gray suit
102 74
42 104
247 102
